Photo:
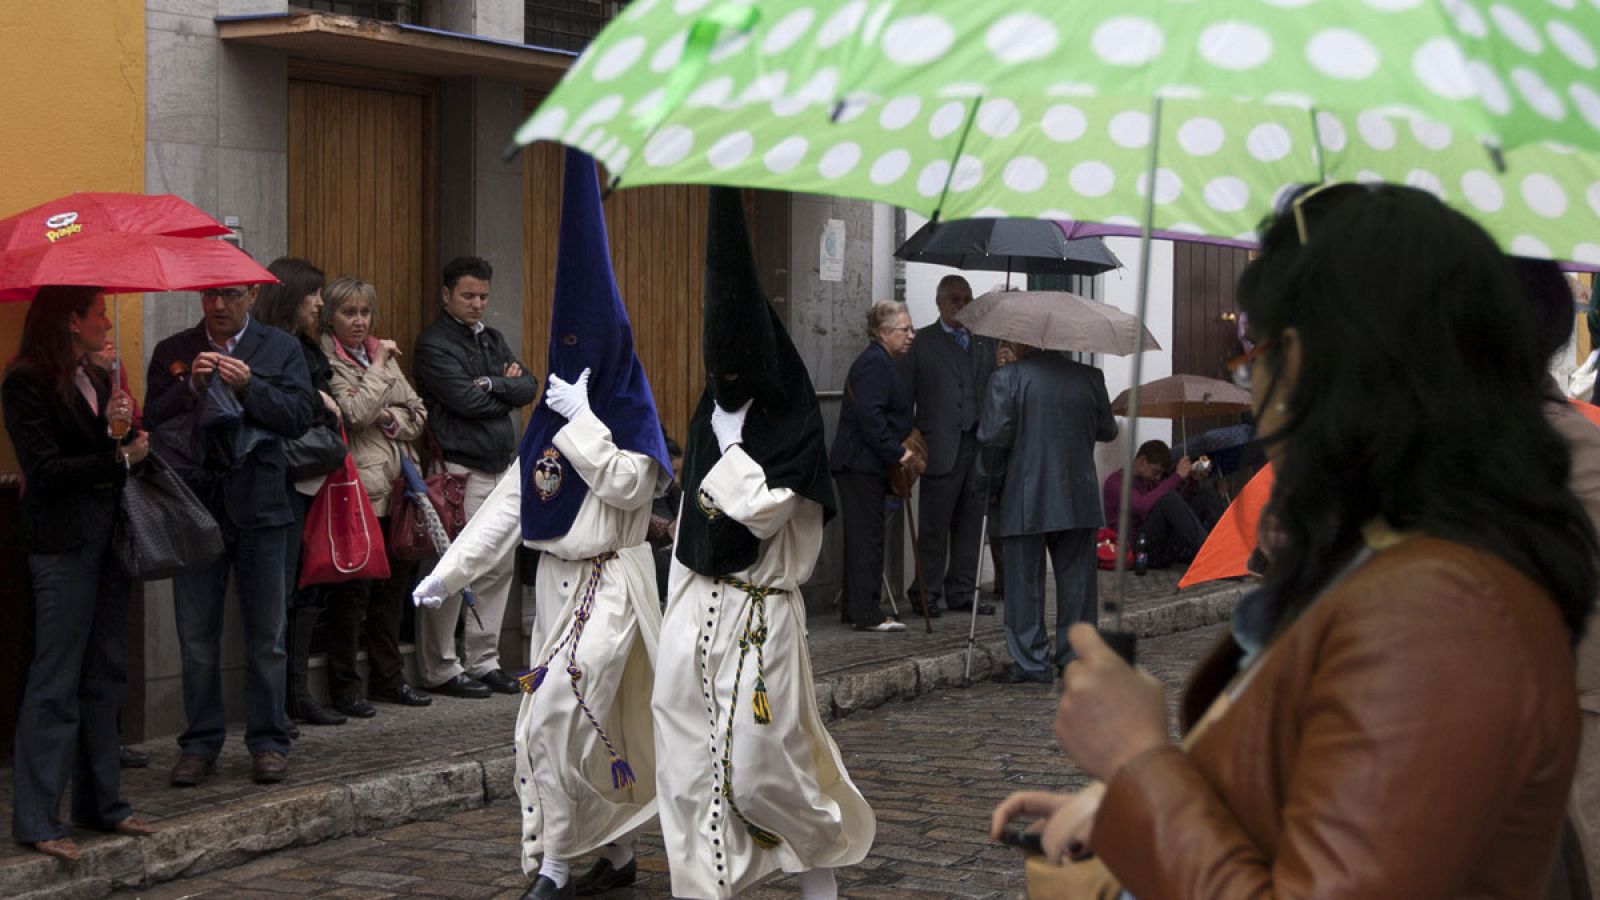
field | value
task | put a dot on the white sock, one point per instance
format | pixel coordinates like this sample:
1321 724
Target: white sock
617 854
818 884
556 870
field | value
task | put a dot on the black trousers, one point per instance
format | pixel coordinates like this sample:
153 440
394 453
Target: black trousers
949 526
374 609
861 497
1177 526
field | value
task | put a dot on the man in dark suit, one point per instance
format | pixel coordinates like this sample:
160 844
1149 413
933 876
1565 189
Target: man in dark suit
240 473
1041 418
947 370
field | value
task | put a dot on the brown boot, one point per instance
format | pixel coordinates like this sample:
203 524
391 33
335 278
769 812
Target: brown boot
269 767
191 770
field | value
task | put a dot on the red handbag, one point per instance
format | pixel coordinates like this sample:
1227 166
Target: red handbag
342 540
408 534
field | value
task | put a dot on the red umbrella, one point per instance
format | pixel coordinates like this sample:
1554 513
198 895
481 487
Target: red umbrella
128 263
90 213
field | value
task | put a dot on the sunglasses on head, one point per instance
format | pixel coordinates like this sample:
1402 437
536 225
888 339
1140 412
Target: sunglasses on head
1297 201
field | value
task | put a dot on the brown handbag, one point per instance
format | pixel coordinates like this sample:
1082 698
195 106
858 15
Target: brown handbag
902 476
447 491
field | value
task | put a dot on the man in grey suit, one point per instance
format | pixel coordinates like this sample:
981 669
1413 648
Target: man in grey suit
947 370
1041 418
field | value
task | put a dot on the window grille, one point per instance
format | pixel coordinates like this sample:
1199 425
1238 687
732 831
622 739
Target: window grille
567 24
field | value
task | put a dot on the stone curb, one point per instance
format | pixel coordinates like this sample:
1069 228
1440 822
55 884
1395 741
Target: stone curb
852 690
237 832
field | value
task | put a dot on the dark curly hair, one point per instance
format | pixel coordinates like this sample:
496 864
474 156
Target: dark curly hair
1419 394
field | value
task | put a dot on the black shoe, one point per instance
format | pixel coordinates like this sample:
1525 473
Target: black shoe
404 695
984 609
934 612
293 731
129 758
602 877
501 683
355 708
306 709
545 889
1015 675
463 685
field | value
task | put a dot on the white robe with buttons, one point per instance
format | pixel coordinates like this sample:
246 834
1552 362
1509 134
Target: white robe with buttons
564 774
788 776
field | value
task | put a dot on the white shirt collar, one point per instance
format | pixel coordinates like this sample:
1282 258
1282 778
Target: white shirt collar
476 327
228 345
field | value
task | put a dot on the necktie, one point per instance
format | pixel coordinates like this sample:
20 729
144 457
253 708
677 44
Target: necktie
961 338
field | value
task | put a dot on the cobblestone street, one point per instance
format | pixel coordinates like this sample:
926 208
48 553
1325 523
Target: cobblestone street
932 768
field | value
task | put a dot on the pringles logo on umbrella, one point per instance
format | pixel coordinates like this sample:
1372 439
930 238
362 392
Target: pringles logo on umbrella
62 225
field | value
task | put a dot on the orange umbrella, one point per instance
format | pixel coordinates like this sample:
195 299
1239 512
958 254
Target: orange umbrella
1226 551
1589 410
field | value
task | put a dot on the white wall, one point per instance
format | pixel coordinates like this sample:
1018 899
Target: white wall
1122 291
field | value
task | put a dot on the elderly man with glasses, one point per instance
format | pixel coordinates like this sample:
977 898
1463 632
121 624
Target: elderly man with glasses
239 389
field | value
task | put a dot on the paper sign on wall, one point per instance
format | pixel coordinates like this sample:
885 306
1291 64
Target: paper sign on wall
831 266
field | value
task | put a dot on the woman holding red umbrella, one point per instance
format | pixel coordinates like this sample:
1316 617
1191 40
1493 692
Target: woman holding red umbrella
58 410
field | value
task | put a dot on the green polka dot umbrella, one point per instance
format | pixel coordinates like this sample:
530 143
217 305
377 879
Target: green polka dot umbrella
1174 117
1059 108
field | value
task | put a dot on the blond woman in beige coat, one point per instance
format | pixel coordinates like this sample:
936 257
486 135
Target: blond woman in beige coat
382 415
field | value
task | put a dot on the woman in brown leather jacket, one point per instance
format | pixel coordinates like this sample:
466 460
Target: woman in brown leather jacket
1394 713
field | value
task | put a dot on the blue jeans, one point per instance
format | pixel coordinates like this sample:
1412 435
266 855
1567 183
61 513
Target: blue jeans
256 556
67 721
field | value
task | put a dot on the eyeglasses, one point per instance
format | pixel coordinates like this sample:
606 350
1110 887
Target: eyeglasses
906 328
229 294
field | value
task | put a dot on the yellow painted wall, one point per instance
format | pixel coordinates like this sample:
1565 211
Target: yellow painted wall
72 118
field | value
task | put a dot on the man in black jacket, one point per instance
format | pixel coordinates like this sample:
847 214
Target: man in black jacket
242 476
472 384
948 371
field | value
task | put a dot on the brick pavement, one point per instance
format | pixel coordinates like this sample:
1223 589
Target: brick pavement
932 790
454 756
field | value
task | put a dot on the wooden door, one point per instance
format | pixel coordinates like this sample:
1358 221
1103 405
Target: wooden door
361 189
1205 316
657 239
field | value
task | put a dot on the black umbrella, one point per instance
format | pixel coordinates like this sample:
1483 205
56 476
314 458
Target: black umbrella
1032 246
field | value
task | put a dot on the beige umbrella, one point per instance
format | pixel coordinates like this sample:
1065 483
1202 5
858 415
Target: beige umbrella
1181 396
1055 320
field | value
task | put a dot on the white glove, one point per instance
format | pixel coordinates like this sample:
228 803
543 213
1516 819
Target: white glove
728 426
430 592
568 400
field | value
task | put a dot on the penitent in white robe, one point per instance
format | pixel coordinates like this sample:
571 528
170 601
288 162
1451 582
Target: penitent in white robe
788 778
570 803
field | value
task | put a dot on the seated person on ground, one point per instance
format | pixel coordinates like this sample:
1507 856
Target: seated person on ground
1172 506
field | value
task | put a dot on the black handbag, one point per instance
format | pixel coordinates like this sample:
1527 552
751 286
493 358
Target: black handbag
314 454
162 528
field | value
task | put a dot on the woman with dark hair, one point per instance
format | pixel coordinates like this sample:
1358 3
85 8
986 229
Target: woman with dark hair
294 305
57 404
1393 713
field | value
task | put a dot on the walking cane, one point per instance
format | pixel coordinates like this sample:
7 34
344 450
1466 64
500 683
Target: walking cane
916 560
972 630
